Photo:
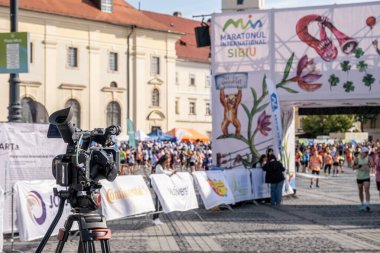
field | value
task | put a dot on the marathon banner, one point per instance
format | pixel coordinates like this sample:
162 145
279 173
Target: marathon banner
213 188
36 208
126 196
1 218
276 113
25 153
176 192
240 182
260 189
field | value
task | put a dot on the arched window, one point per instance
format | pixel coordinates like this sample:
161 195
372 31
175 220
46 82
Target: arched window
156 97
113 114
26 110
75 107
113 84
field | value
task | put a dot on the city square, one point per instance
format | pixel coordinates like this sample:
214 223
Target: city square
233 126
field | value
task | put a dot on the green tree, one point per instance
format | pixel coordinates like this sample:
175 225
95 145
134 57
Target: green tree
324 124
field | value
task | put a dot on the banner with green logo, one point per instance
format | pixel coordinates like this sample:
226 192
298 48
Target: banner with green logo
14 52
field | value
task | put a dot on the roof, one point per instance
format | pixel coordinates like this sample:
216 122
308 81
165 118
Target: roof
123 13
186 47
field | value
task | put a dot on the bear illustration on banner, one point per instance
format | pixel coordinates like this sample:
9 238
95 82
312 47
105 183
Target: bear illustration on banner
230 103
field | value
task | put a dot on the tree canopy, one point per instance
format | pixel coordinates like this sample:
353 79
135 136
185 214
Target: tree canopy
324 124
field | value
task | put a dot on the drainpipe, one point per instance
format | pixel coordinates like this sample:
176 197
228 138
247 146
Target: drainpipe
128 72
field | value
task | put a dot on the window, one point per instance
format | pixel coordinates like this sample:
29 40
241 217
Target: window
113 61
106 6
75 108
240 2
192 80
31 52
113 84
192 108
156 97
176 78
26 110
208 109
72 57
155 66
208 81
177 107
113 114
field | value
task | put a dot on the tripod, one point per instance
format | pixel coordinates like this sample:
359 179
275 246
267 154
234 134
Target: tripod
92 227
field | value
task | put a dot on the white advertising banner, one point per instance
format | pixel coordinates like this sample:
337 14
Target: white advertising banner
276 112
1 218
36 208
213 188
25 153
239 180
126 196
260 189
175 193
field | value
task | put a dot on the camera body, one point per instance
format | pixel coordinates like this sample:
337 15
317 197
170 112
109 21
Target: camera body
89 158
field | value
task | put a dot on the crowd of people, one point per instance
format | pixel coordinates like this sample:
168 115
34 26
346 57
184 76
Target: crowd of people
319 160
194 156
331 160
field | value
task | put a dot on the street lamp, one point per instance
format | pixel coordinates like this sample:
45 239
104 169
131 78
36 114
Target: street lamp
14 108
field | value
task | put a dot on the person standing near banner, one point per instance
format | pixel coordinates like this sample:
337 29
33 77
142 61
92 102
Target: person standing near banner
315 166
162 167
275 177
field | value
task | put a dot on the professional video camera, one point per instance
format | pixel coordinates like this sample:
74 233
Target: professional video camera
89 157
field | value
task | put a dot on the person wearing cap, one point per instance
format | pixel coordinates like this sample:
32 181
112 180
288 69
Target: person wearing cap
362 166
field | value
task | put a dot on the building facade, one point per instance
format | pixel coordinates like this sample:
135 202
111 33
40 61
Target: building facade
109 61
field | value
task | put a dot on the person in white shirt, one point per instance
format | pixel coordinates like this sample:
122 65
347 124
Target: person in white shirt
162 167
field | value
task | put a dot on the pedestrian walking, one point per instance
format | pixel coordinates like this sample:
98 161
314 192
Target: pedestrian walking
362 167
315 166
275 177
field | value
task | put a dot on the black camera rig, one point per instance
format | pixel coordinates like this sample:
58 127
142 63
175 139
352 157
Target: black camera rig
89 157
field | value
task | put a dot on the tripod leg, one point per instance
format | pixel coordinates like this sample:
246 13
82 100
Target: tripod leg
105 244
86 247
63 234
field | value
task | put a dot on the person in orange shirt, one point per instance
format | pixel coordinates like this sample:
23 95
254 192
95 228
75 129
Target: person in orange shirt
315 166
327 161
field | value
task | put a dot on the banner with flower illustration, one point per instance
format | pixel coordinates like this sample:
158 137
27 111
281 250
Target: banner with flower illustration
325 56
330 54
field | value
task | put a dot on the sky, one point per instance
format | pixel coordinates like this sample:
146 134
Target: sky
190 8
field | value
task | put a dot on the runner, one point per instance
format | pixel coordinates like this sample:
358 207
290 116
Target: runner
362 167
328 161
315 165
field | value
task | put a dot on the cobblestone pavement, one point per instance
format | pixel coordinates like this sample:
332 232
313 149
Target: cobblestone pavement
324 219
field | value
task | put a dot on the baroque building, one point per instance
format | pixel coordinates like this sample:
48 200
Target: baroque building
111 62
